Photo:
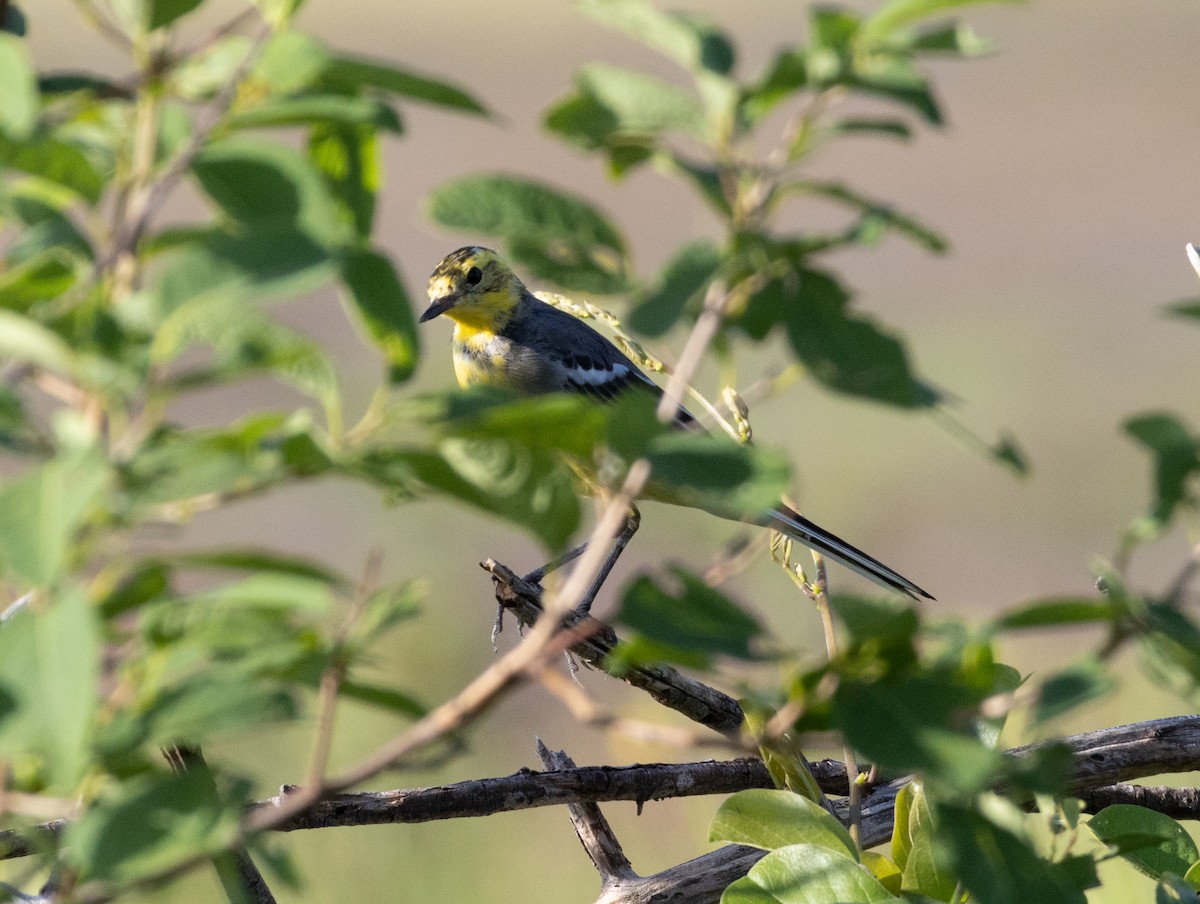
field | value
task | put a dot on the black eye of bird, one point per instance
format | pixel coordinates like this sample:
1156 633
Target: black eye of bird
474 276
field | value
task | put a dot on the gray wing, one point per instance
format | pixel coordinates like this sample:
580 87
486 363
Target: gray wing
579 359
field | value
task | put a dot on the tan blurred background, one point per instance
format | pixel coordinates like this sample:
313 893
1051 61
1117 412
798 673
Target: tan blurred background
1066 181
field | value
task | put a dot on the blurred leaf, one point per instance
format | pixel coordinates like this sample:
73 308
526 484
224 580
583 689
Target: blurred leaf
955 38
175 465
999 867
47 232
1189 308
1007 452
382 611
774 819
885 621
875 214
13 20
347 73
46 276
55 161
897 14
1071 687
150 823
889 128
292 62
786 74
25 340
348 157
1176 459
50 665
556 235
70 82
279 262
163 12
526 487
259 184
894 77
244 340
318 109
383 698
614 105
383 308
214 702
567 422
691 621
146 582
249 558
41 510
1170 650
691 41
1152 842
19 99
806 874
1054 612
687 274
916 724
902 822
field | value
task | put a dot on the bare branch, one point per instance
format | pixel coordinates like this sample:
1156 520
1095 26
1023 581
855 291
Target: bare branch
593 830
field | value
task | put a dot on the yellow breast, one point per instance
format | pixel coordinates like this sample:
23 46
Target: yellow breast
476 360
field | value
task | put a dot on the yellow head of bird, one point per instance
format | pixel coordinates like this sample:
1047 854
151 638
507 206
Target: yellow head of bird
474 287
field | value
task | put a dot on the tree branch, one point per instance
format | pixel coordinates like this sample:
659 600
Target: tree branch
674 690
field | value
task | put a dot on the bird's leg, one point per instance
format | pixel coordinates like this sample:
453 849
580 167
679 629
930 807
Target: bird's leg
535 576
633 518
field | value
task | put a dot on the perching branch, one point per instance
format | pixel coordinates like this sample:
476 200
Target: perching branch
674 690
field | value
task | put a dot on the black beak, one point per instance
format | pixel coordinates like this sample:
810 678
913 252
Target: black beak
440 306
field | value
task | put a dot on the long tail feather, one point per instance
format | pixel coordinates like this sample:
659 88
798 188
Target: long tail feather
801 529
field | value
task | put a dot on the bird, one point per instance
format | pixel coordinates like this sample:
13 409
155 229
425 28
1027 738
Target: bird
506 336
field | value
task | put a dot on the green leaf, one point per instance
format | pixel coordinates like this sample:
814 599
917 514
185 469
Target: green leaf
212 703
526 487
1176 459
25 340
162 13
786 74
50 666
712 473
292 62
902 828
999 867
261 184
318 109
47 232
691 41
40 512
881 621
56 161
910 725
1189 308
898 14
691 620
556 235
775 819
876 215
150 823
679 287
382 306
1058 611
13 21
615 104
382 611
847 354
19 99
225 266
46 276
348 158
922 871
894 77
1152 842
352 74
383 698
806 874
